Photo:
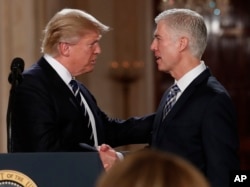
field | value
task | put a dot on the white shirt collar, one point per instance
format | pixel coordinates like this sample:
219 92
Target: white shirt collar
59 68
190 76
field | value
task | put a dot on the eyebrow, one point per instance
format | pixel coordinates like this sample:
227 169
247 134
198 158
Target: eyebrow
97 39
156 35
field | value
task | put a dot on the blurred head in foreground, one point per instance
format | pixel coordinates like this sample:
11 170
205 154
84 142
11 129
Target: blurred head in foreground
149 168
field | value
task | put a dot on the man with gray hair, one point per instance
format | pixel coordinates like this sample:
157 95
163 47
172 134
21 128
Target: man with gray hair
196 118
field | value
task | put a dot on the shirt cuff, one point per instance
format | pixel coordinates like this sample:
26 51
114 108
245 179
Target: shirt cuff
120 155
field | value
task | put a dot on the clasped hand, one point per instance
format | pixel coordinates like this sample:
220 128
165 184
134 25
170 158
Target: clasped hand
108 156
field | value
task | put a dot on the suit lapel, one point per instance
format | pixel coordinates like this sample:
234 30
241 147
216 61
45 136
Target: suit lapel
162 125
95 111
57 82
158 117
87 96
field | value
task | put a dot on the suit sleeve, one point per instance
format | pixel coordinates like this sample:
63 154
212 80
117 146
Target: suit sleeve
118 132
134 130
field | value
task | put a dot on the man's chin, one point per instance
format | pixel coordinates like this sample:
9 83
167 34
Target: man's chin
160 68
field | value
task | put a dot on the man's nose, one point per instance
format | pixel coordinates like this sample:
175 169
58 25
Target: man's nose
98 49
153 46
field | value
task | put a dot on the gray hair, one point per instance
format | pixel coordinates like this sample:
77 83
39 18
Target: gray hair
189 23
68 25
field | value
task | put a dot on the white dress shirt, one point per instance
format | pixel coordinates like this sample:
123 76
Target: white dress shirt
66 77
185 80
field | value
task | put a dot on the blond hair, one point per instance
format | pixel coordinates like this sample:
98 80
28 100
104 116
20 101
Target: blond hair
152 169
68 25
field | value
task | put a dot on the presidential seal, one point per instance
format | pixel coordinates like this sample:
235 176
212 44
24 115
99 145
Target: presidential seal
11 178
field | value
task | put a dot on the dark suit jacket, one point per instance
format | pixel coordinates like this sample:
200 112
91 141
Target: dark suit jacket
46 116
201 127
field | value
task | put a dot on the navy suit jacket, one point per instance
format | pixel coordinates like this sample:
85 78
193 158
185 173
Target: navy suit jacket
201 127
47 117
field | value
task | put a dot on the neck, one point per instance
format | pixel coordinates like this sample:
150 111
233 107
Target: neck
184 67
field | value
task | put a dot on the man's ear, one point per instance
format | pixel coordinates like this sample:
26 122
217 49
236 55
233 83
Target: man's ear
64 48
183 43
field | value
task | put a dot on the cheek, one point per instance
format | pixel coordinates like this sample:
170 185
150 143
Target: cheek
87 52
169 57
168 50
84 54
88 56
165 52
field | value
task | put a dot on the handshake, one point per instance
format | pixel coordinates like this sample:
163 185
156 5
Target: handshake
107 154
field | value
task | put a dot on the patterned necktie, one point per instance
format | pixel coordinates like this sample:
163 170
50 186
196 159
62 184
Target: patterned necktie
78 95
170 101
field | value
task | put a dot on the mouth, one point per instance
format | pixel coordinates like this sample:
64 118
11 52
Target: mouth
157 58
93 61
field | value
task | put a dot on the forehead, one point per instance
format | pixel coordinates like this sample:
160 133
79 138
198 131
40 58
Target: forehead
92 35
161 29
